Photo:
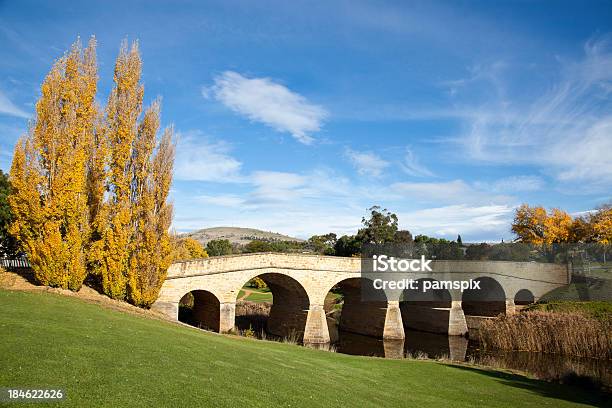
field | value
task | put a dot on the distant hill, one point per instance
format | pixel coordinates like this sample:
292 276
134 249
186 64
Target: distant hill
236 235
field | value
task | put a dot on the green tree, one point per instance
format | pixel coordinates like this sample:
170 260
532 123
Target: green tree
8 244
260 246
323 244
219 247
380 228
402 237
347 245
479 252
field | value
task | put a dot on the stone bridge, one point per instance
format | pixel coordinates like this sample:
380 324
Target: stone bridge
300 283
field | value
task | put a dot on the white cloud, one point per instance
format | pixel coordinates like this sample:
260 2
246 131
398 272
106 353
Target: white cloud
222 200
567 131
272 188
474 223
452 192
367 163
9 108
198 158
412 166
512 184
263 100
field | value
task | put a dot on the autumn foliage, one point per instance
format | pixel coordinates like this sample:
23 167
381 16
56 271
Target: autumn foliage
91 186
188 248
48 173
535 225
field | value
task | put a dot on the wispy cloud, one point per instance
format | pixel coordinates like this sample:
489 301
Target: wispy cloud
412 165
567 131
9 108
273 188
366 163
472 222
451 192
221 200
512 184
263 100
199 158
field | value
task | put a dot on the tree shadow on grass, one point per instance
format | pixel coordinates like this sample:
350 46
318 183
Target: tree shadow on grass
25 273
570 393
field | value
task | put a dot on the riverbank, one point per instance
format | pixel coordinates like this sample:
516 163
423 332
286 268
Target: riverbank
110 358
569 328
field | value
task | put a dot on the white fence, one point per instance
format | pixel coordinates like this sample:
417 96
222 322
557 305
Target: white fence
12 263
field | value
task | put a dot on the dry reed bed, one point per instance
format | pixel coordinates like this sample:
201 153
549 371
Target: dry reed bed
247 308
562 333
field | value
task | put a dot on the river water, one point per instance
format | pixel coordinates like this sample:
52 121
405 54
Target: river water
423 345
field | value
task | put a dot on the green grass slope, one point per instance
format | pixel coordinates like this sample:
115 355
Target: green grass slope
108 358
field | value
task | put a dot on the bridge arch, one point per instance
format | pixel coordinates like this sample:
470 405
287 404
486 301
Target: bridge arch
290 304
200 308
488 300
427 311
524 297
359 315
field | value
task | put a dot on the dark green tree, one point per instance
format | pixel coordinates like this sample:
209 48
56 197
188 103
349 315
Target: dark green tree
347 245
260 246
219 247
380 228
459 241
8 244
323 244
479 252
403 237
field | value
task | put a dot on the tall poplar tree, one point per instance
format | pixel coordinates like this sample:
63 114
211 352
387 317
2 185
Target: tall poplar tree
48 173
110 253
151 213
132 251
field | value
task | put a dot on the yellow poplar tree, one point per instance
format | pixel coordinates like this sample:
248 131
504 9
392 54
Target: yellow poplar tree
130 214
151 213
111 251
49 175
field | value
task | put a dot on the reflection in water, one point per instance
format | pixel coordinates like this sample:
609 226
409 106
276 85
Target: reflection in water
437 346
419 344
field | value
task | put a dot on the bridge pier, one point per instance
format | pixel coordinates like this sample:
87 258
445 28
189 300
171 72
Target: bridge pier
510 307
457 325
316 330
457 348
227 317
394 327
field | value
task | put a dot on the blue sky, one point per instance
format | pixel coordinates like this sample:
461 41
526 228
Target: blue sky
297 116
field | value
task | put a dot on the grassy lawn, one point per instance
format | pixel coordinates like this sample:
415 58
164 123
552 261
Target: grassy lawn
257 295
103 357
260 297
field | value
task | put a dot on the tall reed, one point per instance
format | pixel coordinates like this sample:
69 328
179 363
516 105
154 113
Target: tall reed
562 333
